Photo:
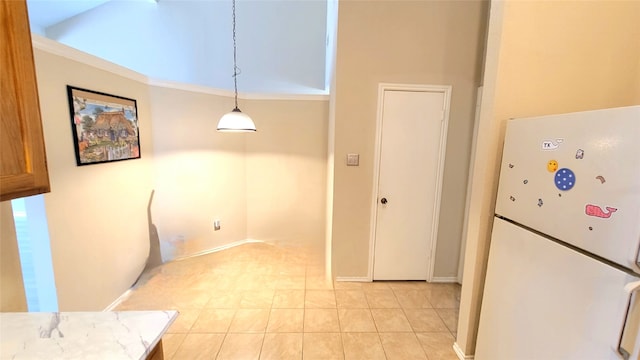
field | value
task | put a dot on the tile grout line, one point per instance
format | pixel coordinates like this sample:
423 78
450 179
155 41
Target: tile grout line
335 299
410 325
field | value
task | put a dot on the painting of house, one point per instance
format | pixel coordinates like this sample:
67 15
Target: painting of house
105 127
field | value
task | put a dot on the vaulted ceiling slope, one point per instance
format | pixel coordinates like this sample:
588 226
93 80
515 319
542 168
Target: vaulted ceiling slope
281 43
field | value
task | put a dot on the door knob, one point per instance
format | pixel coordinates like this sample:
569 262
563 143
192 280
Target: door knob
383 200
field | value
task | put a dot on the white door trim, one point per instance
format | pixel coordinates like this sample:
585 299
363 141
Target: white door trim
382 87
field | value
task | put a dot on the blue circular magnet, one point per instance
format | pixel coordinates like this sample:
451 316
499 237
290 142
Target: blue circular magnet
565 179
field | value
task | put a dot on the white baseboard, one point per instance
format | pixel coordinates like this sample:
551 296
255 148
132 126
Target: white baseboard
444 279
353 279
460 353
218 248
117 301
451 279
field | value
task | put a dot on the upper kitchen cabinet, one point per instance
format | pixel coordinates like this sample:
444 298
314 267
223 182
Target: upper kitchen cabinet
23 166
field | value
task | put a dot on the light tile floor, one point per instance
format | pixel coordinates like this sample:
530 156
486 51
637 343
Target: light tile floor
260 301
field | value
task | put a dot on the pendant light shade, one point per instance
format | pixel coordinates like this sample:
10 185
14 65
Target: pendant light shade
236 120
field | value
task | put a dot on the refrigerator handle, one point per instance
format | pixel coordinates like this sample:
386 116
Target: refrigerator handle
629 344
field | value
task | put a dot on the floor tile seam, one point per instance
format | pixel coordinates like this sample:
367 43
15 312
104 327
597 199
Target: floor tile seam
446 308
385 308
321 307
426 298
366 298
409 321
195 320
264 336
375 324
398 301
177 347
344 353
385 351
397 331
225 338
353 307
444 322
335 301
415 336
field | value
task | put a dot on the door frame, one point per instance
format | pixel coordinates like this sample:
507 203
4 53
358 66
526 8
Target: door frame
382 87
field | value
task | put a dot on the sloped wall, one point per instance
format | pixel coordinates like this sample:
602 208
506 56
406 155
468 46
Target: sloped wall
96 213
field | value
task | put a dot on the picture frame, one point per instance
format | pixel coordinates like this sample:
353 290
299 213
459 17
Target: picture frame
105 126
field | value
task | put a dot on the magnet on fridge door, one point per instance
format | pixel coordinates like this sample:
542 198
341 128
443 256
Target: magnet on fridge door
551 144
525 181
580 154
540 202
512 198
601 178
565 179
597 211
511 166
552 165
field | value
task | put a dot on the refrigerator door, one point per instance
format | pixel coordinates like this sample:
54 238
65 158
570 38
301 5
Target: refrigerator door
576 177
545 301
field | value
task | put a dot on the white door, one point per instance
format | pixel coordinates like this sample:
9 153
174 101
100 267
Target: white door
411 150
543 300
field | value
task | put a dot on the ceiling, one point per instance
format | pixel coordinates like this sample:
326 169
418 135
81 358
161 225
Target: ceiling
281 43
44 13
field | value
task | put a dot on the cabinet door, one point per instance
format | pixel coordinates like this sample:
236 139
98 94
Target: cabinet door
23 165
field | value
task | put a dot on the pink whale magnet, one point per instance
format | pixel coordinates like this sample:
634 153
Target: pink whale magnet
595 210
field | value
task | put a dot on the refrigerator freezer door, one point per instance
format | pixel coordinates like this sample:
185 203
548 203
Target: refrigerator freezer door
545 301
576 177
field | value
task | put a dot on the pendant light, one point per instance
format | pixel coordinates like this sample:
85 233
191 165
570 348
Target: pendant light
236 120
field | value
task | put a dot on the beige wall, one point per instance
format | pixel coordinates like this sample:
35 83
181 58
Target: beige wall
286 172
268 185
12 295
584 57
97 214
413 42
199 174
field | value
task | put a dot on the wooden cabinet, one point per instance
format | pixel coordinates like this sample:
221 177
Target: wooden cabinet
157 353
23 164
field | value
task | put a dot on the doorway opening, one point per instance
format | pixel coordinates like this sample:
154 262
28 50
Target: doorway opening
32 232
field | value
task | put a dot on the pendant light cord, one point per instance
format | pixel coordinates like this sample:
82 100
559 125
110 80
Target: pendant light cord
235 66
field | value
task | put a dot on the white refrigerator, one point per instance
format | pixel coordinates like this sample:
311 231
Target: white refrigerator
563 276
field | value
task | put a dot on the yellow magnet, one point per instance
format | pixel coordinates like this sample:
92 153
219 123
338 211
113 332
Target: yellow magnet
552 165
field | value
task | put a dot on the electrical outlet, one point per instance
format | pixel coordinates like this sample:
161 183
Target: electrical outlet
216 224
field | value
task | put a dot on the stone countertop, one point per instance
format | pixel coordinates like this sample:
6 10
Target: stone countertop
82 335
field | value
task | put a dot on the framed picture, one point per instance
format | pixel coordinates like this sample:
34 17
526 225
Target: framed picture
105 127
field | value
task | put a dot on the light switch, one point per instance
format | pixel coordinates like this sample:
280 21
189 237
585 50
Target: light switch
353 159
